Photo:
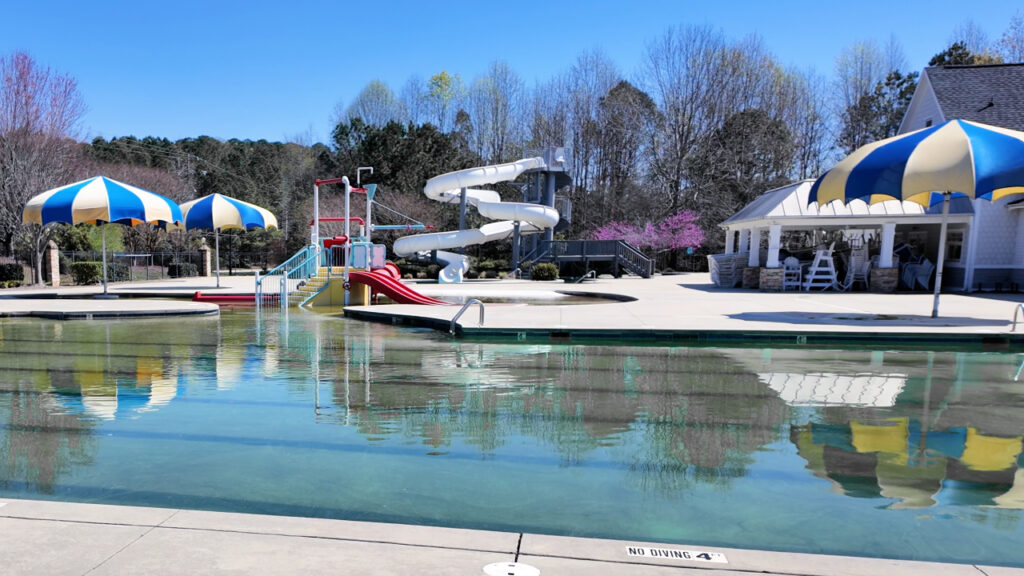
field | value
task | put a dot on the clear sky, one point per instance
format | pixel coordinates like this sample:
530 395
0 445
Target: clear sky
276 69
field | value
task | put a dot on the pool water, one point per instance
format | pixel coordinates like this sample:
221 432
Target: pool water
900 454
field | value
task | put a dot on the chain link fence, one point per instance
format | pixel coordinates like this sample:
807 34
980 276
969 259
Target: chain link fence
123 267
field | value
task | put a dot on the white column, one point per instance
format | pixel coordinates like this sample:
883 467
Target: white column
730 240
885 252
744 240
754 260
774 242
970 246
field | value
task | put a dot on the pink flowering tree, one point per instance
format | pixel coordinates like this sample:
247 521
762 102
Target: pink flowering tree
676 232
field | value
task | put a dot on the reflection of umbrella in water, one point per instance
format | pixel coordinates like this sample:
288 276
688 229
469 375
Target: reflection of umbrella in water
218 212
98 201
955 158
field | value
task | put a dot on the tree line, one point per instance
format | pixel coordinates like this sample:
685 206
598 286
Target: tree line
704 126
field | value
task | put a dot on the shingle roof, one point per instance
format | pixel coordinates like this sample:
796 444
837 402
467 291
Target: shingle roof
991 94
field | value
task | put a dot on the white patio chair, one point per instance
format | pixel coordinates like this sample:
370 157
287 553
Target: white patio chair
791 274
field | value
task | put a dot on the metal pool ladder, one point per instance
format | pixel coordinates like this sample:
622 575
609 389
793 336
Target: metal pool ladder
1020 308
451 329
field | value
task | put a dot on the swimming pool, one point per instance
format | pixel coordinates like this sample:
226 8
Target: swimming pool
902 454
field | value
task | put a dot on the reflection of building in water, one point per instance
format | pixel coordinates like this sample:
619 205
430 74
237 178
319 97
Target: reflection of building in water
796 376
895 458
916 427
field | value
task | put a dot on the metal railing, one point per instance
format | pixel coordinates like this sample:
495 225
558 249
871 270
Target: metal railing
451 329
1016 312
620 252
285 278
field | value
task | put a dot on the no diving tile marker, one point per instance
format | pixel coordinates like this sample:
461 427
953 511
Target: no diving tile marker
675 554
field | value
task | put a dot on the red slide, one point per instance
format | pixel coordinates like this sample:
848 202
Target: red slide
381 281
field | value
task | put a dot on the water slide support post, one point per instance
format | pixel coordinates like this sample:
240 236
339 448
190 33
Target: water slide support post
462 216
515 246
549 200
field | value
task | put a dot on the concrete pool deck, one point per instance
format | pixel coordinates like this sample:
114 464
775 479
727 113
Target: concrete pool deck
53 538
684 307
69 538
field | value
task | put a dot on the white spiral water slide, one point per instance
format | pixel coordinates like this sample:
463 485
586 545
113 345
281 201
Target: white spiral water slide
448 187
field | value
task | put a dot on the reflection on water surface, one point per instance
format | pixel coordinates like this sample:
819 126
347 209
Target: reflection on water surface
895 454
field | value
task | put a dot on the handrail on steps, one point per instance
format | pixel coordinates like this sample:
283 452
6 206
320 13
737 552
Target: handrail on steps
451 329
589 274
1019 309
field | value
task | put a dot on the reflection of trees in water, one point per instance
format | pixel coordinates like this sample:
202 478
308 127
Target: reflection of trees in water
682 415
41 444
59 377
703 420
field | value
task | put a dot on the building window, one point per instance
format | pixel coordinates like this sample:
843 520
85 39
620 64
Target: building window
927 123
954 245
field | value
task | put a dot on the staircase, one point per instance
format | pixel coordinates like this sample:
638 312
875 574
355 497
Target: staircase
314 284
616 255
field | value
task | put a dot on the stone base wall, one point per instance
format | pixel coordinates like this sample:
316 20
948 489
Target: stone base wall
884 280
770 280
751 277
53 263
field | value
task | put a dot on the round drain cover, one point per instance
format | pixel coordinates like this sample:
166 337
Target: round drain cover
510 569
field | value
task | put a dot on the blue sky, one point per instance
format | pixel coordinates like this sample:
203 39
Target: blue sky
277 69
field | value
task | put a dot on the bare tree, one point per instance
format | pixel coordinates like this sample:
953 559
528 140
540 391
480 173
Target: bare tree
376 105
859 67
589 80
414 99
549 114
683 72
1011 44
973 37
497 106
39 113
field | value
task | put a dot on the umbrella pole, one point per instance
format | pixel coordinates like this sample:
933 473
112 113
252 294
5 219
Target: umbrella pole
942 254
216 244
103 237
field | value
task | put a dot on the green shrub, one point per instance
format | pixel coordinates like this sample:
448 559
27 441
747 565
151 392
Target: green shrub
544 271
117 272
182 269
87 272
12 272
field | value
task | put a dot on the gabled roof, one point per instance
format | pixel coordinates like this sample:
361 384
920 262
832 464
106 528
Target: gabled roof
991 94
790 201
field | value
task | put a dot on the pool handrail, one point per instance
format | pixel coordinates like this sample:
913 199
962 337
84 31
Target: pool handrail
470 302
287 272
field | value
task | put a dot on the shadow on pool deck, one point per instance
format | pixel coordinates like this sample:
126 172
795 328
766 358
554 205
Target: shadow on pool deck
865 320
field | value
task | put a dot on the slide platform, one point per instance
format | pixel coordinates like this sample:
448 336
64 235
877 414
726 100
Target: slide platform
382 281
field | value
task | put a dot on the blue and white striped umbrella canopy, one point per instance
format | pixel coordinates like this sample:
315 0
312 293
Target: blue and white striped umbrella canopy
955 158
100 200
219 212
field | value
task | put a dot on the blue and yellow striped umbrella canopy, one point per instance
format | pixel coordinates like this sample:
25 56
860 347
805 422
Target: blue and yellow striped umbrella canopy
219 212
100 200
958 157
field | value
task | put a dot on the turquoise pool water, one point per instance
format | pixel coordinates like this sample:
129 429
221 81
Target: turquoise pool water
902 454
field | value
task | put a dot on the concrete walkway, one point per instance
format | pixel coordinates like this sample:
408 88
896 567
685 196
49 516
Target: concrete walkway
76 539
